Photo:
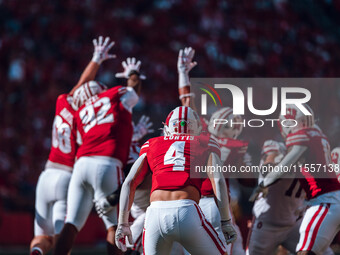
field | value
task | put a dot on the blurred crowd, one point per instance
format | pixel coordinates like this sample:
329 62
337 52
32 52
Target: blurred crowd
45 45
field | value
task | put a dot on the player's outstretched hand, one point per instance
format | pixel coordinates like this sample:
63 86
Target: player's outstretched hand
102 206
123 230
101 49
142 128
131 65
257 191
228 231
185 63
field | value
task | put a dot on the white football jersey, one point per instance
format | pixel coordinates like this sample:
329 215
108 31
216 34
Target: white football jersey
283 205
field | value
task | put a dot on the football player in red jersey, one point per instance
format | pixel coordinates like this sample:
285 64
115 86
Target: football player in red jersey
104 124
51 191
307 145
174 214
142 194
232 150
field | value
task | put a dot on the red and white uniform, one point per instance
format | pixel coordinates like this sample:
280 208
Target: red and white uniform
64 146
104 123
318 153
166 222
230 155
105 126
51 191
322 219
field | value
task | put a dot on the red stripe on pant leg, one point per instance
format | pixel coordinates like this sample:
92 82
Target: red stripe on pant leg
212 228
143 241
136 245
309 227
250 232
315 231
220 249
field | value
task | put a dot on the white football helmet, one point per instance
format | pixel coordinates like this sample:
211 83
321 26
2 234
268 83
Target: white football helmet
86 91
271 146
228 130
182 120
336 155
295 120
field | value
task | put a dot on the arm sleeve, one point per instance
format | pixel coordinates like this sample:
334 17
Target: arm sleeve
136 175
220 187
129 99
290 159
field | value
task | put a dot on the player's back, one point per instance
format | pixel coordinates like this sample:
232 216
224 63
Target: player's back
316 161
64 146
170 157
105 126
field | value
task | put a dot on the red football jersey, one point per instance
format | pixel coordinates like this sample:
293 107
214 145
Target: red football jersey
318 152
105 126
169 159
64 146
231 154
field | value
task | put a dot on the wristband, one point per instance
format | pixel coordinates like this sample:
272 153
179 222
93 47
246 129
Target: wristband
96 59
123 217
187 95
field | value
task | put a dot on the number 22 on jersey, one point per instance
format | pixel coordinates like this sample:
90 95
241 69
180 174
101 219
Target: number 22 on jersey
90 118
175 156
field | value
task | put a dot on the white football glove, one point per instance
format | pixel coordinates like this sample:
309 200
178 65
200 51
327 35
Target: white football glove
101 49
228 231
102 206
184 65
130 65
123 230
142 128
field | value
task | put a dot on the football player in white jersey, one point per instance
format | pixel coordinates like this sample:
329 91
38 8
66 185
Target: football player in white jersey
307 145
277 214
51 191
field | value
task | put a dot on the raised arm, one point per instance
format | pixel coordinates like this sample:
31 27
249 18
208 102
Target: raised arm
132 74
221 192
100 54
135 177
184 65
290 159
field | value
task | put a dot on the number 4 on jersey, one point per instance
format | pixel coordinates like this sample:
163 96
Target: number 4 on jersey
175 156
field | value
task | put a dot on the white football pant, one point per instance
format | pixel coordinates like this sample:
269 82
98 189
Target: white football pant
92 178
180 221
